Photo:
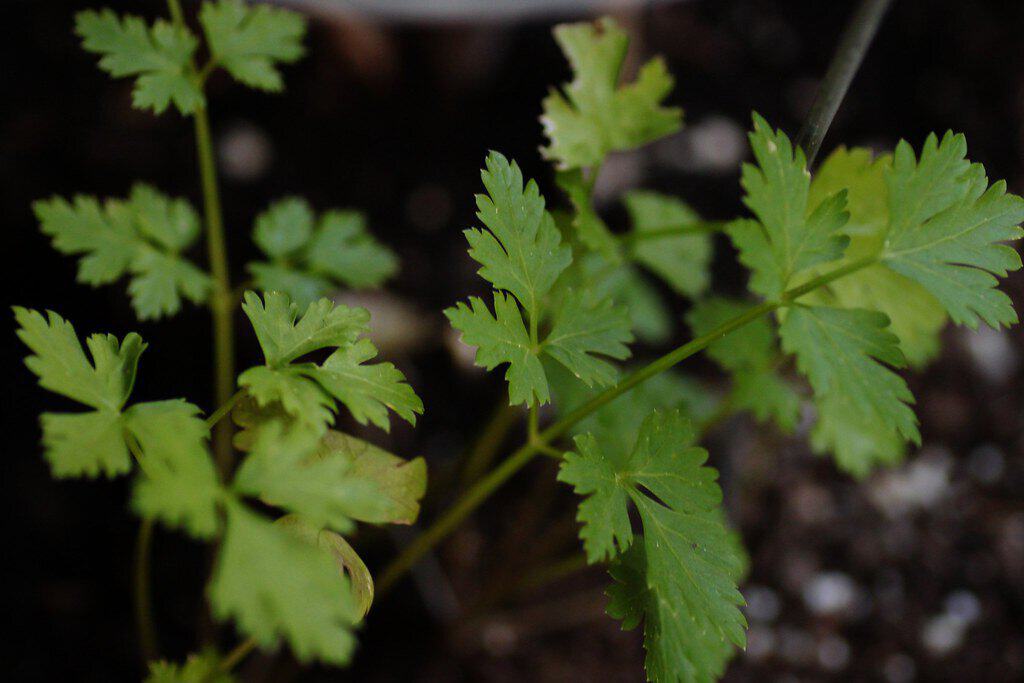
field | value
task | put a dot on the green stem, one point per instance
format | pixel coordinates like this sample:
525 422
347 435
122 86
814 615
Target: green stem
148 647
221 303
491 438
174 9
224 409
853 45
235 657
479 492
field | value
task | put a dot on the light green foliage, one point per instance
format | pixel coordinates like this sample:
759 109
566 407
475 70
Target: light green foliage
343 553
916 316
331 482
681 260
751 356
309 257
144 235
275 585
90 443
841 351
249 41
680 577
521 250
580 334
178 484
521 253
945 228
159 55
588 226
624 283
308 391
790 235
502 338
203 667
596 115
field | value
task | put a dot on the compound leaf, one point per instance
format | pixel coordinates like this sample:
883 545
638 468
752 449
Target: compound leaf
842 351
502 338
251 40
307 391
178 484
143 235
581 333
276 586
681 260
310 257
521 250
680 576
204 667
790 235
159 56
946 224
594 114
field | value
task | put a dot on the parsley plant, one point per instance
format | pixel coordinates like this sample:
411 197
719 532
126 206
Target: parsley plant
854 271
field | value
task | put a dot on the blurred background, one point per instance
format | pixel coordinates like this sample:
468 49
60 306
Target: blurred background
916 574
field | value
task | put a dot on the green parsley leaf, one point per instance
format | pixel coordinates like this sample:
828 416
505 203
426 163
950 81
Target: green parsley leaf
841 351
284 335
277 586
203 667
344 555
309 258
178 484
502 338
158 55
522 254
308 391
680 577
917 316
144 236
945 227
90 443
683 260
650 318
251 40
595 115
580 334
521 250
344 250
790 235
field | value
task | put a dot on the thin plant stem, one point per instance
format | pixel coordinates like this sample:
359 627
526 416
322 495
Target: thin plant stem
853 45
487 485
149 649
143 604
221 302
490 440
225 408
239 653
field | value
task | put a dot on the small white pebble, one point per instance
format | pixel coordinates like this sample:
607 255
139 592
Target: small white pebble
992 353
830 593
942 634
963 606
245 152
762 603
